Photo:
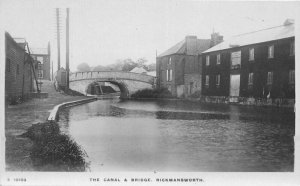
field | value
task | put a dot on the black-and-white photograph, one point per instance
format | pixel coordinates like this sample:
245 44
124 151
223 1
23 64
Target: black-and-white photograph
148 87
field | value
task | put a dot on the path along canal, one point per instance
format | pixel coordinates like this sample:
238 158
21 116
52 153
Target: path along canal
181 136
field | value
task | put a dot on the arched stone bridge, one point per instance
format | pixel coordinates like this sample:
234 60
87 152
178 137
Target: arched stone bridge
128 82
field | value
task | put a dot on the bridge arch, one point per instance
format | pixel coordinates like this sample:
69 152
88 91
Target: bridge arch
122 86
127 82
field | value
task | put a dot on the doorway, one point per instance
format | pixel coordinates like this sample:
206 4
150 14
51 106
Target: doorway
235 86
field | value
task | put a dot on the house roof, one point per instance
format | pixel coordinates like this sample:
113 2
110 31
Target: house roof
270 34
194 48
138 70
39 51
21 42
8 36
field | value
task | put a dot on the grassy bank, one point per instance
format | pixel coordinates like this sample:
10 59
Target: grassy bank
54 151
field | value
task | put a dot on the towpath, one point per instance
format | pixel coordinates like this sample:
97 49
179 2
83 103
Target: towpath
18 118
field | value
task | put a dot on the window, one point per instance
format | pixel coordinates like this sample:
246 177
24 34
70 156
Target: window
170 60
40 59
218 77
207 60
39 66
251 54
292 77
7 65
191 87
218 59
250 79
207 80
169 75
235 60
292 48
40 74
270 78
18 69
271 51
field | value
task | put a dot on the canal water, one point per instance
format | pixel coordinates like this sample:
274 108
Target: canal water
181 136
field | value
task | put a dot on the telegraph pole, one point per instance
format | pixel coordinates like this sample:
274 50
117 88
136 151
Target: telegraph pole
67 47
58 38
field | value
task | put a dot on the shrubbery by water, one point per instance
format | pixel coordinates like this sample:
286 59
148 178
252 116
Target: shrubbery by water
153 93
53 151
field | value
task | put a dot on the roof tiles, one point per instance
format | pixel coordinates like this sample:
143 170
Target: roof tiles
260 36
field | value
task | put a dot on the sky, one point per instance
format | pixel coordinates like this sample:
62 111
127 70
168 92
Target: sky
103 31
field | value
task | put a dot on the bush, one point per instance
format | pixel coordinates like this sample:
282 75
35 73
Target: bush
53 151
153 93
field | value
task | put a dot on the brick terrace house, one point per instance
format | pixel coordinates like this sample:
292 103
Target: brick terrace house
19 80
258 64
42 56
178 68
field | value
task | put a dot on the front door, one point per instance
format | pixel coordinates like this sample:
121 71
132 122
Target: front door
235 85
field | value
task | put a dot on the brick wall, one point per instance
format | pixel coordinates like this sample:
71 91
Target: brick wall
280 65
180 65
18 80
192 84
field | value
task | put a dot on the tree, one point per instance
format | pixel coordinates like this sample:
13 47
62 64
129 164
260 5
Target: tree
101 68
83 67
151 67
128 65
141 62
116 66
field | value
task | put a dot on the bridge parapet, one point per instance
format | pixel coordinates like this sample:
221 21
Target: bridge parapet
112 75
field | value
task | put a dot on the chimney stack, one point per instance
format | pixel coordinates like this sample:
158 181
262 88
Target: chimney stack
191 45
216 38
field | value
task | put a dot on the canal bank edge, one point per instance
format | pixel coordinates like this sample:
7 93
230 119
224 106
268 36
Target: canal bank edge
54 113
281 103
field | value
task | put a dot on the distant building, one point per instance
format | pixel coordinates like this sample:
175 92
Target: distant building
139 70
19 68
42 56
178 68
258 64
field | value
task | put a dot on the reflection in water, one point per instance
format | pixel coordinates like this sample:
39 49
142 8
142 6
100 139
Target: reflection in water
181 136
